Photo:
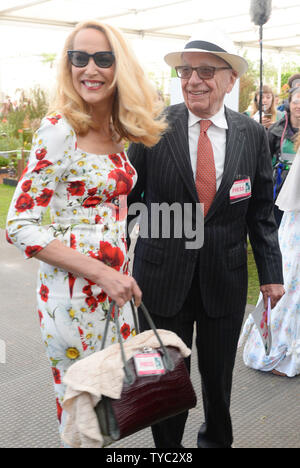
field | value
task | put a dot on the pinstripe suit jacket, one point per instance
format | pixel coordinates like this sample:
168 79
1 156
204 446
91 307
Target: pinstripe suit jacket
164 268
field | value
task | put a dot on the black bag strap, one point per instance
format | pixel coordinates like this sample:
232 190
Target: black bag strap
130 378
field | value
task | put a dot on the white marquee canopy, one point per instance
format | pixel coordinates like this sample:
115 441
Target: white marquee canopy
172 19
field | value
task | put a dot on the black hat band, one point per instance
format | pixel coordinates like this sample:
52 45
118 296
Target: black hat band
204 46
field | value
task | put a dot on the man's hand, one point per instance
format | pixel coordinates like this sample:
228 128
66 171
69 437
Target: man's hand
274 291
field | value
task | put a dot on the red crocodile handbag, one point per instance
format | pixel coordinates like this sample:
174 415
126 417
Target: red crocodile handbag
146 400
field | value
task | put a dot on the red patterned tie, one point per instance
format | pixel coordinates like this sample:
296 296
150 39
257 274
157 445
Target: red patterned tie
206 170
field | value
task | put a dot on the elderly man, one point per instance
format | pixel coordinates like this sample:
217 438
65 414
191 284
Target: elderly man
219 158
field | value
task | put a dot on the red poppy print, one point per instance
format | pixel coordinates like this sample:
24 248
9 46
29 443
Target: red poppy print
98 219
102 297
40 316
59 410
56 375
84 345
24 202
77 188
73 241
8 238
119 207
54 120
92 191
32 250
111 256
92 303
24 172
45 197
44 293
123 182
26 186
125 330
123 156
72 280
116 160
42 165
40 153
87 290
91 202
129 169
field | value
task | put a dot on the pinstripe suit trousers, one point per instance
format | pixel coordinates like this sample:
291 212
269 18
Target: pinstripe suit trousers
216 343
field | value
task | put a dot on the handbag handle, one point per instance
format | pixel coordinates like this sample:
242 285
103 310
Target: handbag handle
129 376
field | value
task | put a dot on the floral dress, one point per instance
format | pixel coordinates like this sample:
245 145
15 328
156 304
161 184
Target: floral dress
86 194
285 317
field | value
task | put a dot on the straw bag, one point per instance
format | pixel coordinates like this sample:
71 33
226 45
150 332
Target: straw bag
156 386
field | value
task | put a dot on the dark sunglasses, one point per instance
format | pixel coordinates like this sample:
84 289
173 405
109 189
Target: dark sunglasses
80 59
204 73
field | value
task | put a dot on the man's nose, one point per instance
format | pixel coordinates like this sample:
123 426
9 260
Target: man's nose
195 78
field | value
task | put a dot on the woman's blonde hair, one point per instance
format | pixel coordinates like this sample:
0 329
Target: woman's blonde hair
137 110
255 108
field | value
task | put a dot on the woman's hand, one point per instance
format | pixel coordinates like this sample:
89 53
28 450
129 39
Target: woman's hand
266 122
121 288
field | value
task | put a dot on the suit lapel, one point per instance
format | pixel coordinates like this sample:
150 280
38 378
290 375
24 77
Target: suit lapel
234 149
178 141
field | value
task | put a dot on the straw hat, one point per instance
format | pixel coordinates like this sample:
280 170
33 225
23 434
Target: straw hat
220 48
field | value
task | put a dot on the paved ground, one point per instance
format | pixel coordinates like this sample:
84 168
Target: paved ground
265 408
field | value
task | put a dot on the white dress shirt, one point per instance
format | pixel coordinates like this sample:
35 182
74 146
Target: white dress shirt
217 136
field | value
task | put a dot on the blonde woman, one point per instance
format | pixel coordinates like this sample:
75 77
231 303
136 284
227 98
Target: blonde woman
284 357
79 168
270 113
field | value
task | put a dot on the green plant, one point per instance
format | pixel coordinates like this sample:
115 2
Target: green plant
34 106
3 161
253 281
9 138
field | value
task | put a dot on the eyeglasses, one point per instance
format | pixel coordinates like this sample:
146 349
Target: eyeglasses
204 73
80 59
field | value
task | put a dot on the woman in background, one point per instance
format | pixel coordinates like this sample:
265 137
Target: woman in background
270 113
284 357
282 136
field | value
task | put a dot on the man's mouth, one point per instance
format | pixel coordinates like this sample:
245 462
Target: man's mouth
198 93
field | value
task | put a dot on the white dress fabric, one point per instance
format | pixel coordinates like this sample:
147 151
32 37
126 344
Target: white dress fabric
83 192
285 317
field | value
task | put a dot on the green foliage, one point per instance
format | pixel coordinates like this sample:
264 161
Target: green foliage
6 194
288 72
18 124
247 86
48 59
10 136
3 161
253 281
251 80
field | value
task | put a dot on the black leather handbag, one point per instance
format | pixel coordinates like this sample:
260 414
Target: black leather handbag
145 400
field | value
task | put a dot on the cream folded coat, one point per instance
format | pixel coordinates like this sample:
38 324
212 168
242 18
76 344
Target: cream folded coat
102 374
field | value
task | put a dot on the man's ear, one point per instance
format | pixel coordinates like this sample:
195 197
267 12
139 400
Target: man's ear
233 78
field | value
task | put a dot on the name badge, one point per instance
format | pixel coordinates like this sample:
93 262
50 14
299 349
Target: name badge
241 190
149 364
